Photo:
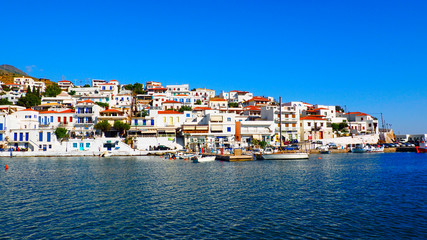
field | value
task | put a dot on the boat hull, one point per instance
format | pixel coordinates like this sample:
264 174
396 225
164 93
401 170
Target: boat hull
285 156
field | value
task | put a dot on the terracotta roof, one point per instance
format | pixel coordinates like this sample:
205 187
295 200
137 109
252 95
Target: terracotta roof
68 111
259 99
46 112
239 91
153 89
169 112
363 114
114 80
307 103
86 101
217 100
170 101
312 118
64 81
111 111
252 108
201 108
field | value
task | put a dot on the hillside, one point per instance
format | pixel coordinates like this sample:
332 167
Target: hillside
8 72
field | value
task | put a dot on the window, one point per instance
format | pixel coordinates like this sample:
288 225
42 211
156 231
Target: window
309 124
59 119
40 136
50 146
48 137
136 122
229 119
152 122
1 126
74 145
26 136
71 119
1 136
187 115
87 145
51 118
228 129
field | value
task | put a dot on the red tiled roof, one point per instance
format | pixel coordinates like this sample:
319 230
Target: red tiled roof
307 103
217 100
252 108
363 114
353 113
64 81
111 111
169 112
237 91
312 118
259 99
114 80
170 101
47 112
317 109
201 108
154 89
86 101
68 111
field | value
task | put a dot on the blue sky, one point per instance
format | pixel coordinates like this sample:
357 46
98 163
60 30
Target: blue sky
368 55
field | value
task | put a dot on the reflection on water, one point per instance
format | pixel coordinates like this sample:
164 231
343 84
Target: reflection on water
338 196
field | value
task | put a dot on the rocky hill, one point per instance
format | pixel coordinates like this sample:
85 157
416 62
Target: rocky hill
8 72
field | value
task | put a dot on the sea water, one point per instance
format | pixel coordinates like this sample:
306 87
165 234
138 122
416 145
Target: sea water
335 196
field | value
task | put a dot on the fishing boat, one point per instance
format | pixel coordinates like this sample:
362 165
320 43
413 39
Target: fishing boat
269 154
199 158
361 148
106 154
324 149
422 148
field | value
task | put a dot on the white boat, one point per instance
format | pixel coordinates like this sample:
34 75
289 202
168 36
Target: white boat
269 154
367 149
198 158
106 154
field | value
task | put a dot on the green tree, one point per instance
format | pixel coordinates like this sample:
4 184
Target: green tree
263 144
104 126
254 142
29 100
185 108
52 90
86 85
72 92
233 104
198 102
61 133
121 126
5 101
143 113
5 88
102 104
339 109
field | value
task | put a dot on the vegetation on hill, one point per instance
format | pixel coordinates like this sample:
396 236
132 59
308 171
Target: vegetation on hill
8 72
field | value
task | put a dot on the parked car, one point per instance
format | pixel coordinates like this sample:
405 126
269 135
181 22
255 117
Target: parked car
332 146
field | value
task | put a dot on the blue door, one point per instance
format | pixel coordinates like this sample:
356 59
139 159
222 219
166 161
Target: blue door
81 147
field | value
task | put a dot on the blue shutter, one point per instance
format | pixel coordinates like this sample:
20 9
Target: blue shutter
26 137
40 136
48 137
21 137
1 126
15 136
152 122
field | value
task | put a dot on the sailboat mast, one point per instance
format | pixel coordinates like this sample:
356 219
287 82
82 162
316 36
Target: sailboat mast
280 122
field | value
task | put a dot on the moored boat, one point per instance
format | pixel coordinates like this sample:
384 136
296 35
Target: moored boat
198 158
269 154
422 148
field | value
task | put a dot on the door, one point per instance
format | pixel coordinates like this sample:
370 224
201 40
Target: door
81 147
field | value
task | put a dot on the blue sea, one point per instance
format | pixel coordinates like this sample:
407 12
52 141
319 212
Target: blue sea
335 196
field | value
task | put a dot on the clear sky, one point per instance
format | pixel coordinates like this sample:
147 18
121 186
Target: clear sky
370 56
